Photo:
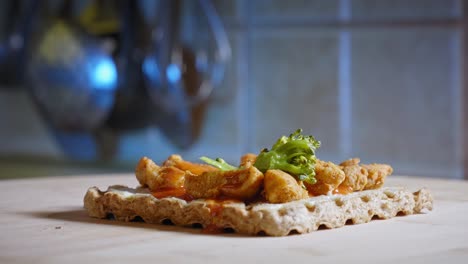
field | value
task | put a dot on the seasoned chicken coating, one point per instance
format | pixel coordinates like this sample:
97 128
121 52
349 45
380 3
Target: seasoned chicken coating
248 160
376 175
356 176
281 187
167 177
155 177
206 185
145 170
329 176
350 162
194 168
241 184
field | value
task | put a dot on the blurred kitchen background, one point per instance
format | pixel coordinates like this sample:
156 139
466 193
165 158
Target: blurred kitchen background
91 86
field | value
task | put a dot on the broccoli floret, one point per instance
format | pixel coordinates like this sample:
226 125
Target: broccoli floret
294 154
219 163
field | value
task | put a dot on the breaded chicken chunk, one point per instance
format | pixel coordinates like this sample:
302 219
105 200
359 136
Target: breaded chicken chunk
194 168
281 187
329 176
376 175
206 185
355 175
145 170
168 177
248 160
350 162
241 184
155 177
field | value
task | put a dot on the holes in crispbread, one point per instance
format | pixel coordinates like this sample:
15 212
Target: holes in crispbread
339 202
137 219
229 230
310 207
401 213
110 216
197 225
365 198
376 217
282 212
349 222
167 221
322 227
294 232
390 195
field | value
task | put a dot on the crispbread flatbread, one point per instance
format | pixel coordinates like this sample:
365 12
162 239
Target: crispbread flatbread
301 216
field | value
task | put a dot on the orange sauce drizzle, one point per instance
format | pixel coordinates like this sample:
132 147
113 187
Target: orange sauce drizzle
180 193
216 207
212 229
342 189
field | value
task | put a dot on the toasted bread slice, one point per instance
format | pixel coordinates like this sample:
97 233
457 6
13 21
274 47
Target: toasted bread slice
300 216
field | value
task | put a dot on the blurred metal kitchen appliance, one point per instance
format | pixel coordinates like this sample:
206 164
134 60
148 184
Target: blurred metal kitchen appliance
95 74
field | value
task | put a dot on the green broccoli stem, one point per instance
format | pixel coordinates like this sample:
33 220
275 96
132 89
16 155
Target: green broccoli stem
219 163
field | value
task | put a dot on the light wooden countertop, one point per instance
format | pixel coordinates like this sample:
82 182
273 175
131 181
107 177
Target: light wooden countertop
43 221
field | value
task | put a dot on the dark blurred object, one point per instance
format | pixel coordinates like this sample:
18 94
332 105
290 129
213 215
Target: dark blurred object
74 87
15 25
100 68
73 77
185 60
132 109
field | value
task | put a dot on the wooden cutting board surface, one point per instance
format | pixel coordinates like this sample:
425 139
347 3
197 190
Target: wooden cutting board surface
43 221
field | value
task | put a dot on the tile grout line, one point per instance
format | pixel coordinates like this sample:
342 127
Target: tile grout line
245 120
456 107
243 93
463 93
251 91
344 83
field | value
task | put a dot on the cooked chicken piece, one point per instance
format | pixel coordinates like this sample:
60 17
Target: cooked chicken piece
145 170
155 177
241 184
194 168
329 176
248 160
350 162
206 185
281 187
167 177
172 160
356 176
376 175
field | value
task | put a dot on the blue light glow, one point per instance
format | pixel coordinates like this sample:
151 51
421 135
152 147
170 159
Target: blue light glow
150 68
104 74
173 73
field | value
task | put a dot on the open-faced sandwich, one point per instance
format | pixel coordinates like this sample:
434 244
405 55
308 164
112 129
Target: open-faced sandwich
283 190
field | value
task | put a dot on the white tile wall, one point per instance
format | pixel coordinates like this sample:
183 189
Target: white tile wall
294 83
387 94
405 98
22 130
